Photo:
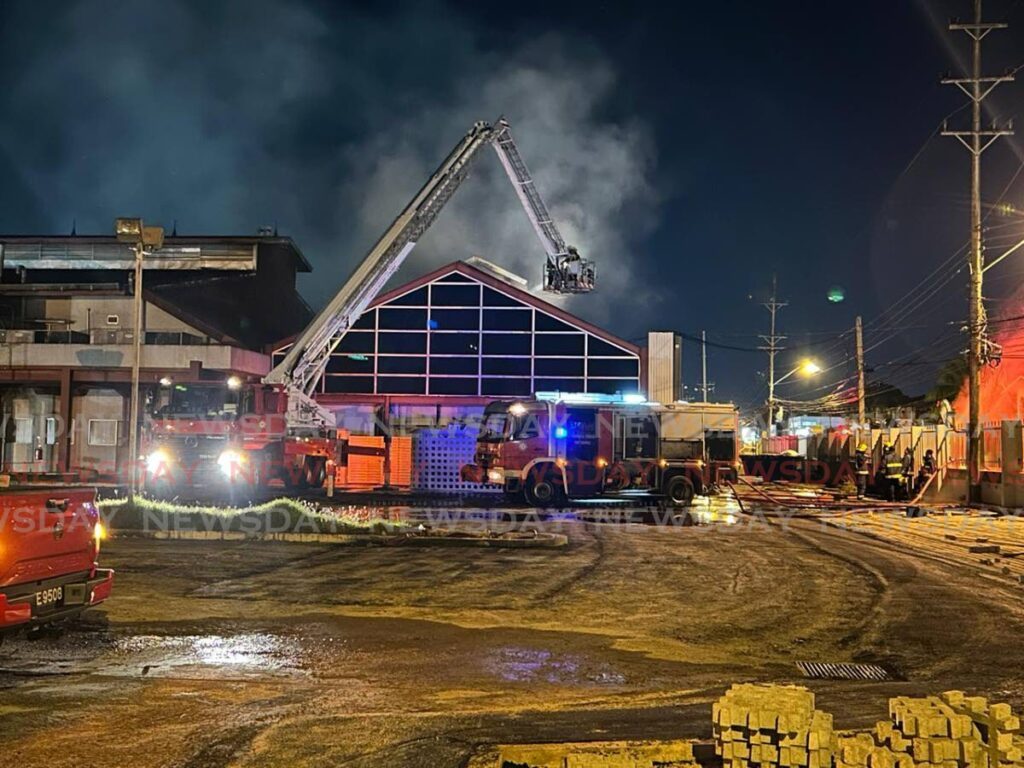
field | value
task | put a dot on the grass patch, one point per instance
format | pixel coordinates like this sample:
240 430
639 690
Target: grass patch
278 516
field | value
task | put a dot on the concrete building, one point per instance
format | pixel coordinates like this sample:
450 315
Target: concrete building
66 334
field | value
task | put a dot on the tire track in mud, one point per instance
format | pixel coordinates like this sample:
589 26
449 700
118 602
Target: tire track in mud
871 624
584 571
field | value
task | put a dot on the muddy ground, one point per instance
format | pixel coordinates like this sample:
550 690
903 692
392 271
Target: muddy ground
257 654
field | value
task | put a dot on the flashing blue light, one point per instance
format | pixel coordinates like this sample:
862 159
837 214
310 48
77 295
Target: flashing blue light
432 324
561 433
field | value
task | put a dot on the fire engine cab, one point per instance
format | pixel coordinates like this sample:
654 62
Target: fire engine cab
558 447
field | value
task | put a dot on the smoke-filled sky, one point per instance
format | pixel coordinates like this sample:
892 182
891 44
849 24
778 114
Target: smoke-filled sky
691 149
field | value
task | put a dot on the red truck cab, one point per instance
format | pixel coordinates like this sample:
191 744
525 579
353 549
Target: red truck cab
49 547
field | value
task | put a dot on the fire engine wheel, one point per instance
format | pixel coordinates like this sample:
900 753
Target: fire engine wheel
679 491
542 491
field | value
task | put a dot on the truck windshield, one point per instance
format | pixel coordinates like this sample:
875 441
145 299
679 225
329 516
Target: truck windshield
192 402
493 428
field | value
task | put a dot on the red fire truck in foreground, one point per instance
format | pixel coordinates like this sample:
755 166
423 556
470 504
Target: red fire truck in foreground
49 547
556 448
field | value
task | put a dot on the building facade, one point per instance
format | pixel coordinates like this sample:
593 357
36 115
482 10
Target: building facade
466 334
66 335
425 358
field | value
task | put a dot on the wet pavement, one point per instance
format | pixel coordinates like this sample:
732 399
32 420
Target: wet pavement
267 654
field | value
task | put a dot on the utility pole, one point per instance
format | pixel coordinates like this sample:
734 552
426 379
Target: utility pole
704 365
859 328
976 140
773 305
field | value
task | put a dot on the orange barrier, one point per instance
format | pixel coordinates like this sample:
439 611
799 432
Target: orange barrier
401 461
365 462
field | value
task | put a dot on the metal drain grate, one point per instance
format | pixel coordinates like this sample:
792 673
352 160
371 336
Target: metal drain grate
844 671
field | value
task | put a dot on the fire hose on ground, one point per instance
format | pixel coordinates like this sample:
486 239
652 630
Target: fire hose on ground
796 501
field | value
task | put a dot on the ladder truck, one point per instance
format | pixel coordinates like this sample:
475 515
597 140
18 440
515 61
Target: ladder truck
276 429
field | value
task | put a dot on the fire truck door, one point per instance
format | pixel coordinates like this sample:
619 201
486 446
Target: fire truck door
581 450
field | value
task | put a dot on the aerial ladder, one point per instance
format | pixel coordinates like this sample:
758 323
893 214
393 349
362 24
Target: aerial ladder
565 271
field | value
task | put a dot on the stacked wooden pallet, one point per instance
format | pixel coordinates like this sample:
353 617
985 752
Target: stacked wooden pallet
772 726
947 731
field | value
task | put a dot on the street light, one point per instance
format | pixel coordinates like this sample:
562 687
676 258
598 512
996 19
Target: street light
807 367
140 237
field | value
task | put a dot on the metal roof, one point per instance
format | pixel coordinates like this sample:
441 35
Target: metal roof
220 252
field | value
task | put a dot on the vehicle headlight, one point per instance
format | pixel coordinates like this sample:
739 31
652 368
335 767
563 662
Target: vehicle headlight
157 459
495 476
230 460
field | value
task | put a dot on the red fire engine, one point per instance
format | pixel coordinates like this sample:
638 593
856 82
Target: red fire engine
49 545
229 435
554 449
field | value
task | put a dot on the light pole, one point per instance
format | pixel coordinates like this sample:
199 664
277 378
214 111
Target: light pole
140 237
805 368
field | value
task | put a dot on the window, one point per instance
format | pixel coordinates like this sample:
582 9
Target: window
455 295
505 387
618 368
559 344
506 366
362 385
23 431
508 319
400 385
103 432
507 344
402 365
559 367
359 342
51 430
454 343
400 319
442 386
604 349
417 298
528 425
562 385
402 343
453 366
354 363
366 321
493 298
455 277
548 323
454 319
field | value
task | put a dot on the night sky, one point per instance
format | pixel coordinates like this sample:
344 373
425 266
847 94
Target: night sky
691 149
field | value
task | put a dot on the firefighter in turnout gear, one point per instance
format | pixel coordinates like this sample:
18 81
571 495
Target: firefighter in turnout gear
861 469
892 468
907 469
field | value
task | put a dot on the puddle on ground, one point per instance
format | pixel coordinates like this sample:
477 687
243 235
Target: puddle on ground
211 655
252 653
533 665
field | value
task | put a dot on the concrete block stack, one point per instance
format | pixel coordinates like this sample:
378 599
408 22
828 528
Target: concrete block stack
772 726
948 731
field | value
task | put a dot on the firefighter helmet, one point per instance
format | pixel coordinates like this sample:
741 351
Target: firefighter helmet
862 447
